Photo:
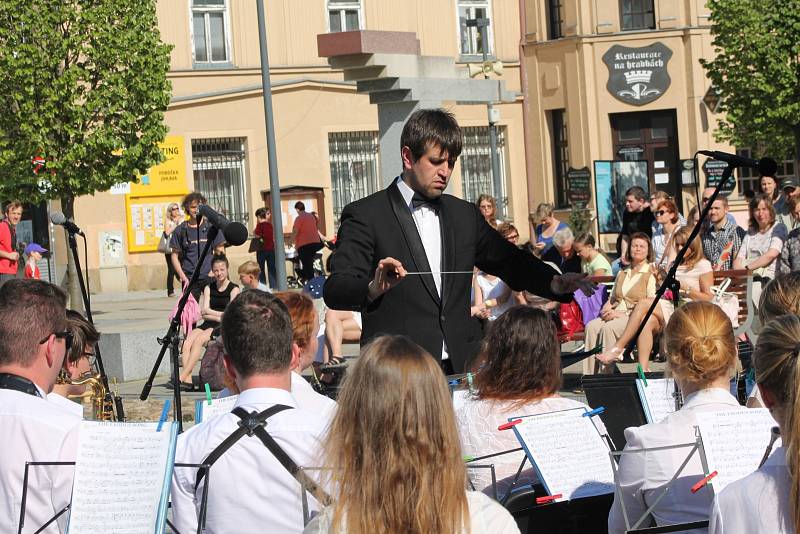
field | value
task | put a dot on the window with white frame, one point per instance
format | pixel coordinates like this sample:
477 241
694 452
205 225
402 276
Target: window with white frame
344 15
210 31
354 167
218 167
476 167
470 40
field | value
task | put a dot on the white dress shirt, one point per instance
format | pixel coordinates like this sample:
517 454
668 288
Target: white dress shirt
67 404
427 221
486 516
757 503
643 476
477 424
310 400
249 489
35 429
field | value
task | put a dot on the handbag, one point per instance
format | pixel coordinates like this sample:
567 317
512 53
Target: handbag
163 244
256 245
570 320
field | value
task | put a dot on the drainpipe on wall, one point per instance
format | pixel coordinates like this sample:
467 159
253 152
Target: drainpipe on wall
526 137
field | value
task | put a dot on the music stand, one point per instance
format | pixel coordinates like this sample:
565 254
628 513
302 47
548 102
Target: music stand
491 468
623 406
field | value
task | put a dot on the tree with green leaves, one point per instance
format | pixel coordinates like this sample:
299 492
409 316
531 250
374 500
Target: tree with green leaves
756 74
83 93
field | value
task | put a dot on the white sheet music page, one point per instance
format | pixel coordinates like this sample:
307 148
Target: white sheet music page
460 397
217 407
657 398
569 453
734 442
120 474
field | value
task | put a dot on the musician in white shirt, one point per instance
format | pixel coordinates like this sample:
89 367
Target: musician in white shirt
249 490
761 502
701 351
34 338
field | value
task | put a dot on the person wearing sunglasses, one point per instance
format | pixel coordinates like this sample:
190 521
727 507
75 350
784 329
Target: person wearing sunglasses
34 339
79 363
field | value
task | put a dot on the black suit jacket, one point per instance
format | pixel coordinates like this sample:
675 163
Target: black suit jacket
381 226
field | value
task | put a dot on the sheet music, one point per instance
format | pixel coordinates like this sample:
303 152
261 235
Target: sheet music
204 412
568 452
734 442
122 475
657 398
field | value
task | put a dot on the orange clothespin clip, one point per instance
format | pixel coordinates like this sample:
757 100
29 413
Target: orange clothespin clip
703 482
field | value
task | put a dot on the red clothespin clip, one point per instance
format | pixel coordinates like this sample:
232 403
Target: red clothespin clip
508 425
547 498
703 482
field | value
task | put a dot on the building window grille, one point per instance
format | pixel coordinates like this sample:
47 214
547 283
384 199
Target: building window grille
470 41
354 167
219 174
637 15
558 127
555 19
210 31
476 167
344 16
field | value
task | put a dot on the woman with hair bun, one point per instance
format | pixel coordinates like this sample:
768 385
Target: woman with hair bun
769 499
393 452
701 352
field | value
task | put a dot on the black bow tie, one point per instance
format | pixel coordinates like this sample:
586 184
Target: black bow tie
433 203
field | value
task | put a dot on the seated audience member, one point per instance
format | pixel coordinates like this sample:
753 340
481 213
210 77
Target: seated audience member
78 364
546 226
523 338
762 244
593 262
509 232
701 354
696 279
768 186
789 260
250 490
657 198
721 236
634 283
215 299
562 254
491 296
393 452
340 326
305 324
667 223
249 276
789 214
766 500
34 340
694 216
488 208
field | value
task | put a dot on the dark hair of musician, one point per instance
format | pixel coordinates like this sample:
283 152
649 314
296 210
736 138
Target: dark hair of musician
521 338
432 127
192 197
393 449
699 343
776 359
84 335
257 334
780 297
30 310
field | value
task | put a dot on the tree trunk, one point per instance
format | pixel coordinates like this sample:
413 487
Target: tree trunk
73 289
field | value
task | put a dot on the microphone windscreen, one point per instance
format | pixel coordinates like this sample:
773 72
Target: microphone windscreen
235 233
767 166
58 218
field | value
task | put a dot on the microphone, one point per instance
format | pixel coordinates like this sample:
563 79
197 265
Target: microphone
765 166
235 233
60 219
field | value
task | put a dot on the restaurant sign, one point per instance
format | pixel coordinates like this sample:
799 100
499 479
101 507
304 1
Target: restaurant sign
637 76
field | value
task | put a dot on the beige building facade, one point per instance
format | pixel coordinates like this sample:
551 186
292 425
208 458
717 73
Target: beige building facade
326 132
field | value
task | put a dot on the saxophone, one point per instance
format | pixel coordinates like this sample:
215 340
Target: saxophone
102 405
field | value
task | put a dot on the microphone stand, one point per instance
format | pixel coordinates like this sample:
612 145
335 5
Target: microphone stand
172 337
73 246
670 282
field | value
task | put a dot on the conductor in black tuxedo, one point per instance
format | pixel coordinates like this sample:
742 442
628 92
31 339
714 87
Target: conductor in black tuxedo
413 227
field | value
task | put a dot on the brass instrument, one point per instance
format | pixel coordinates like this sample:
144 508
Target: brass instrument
102 406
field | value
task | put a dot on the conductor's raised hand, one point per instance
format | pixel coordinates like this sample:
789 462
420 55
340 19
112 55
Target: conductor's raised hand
388 274
568 283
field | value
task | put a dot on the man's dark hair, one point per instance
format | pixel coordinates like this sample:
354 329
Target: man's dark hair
257 334
428 127
30 310
192 197
637 192
84 335
299 206
261 212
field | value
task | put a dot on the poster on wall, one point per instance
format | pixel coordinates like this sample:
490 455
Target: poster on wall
145 217
611 180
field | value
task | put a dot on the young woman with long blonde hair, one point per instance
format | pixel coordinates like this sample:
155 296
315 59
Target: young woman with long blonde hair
394 455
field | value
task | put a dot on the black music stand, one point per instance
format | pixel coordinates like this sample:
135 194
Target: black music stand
201 523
